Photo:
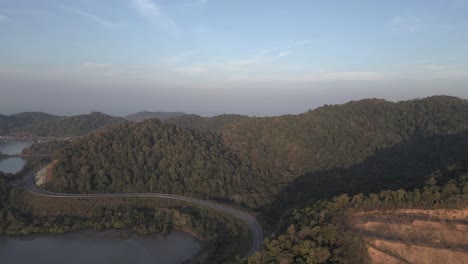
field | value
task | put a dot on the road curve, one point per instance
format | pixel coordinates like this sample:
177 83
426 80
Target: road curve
250 221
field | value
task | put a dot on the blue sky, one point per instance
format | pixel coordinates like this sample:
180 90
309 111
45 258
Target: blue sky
215 56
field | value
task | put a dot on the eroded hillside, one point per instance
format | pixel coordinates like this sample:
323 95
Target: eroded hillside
414 236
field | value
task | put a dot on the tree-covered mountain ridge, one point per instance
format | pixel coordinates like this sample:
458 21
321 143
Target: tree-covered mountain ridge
207 124
250 160
150 156
37 124
144 115
341 135
422 225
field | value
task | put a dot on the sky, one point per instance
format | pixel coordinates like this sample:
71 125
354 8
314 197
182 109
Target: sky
208 57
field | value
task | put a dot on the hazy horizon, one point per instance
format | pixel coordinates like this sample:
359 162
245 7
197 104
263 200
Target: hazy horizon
122 114
211 57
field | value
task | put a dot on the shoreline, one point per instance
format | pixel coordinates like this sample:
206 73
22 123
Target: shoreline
161 245
110 233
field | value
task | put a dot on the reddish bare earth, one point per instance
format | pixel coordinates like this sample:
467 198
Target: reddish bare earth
45 174
415 236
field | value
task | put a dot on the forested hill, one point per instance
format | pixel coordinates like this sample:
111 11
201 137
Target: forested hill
46 125
254 160
11 124
151 156
422 223
367 144
140 116
209 124
342 135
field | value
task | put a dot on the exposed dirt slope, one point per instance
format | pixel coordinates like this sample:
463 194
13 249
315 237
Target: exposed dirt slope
415 236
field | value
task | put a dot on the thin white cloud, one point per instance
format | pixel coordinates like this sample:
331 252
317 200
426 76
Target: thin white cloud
244 71
97 66
263 57
282 54
246 66
180 57
95 18
311 77
92 68
272 54
192 69
2 18
153 12
408 24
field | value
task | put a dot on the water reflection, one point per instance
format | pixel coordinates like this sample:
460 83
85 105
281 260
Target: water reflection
102 247
13 147
12 165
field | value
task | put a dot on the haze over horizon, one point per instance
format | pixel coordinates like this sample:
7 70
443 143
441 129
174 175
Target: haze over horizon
211 57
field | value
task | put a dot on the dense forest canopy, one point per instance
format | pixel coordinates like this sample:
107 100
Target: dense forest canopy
46 125
209 124
306 175
320 231
252 160
152 157
22 213
342 135
141 116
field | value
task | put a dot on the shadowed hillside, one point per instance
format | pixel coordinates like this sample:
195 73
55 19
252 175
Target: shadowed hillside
254 159
401 167
421 225
342 135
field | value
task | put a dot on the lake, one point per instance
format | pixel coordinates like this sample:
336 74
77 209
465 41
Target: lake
98 248
89 247
12 165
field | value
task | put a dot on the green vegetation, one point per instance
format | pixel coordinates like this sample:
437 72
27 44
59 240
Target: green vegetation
45 148
253 160
21 123
320 233
141 116
316 169
208 124
22 213
151 157
342 135
46 125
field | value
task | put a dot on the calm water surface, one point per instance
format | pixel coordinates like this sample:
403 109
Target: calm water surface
13 147
98 248
12 165
89 247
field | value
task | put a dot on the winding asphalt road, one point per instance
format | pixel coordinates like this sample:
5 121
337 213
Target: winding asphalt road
250 221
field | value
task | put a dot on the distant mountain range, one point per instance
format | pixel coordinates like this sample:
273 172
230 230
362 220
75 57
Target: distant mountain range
328 184
39 124
251 160
140 116
47 125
